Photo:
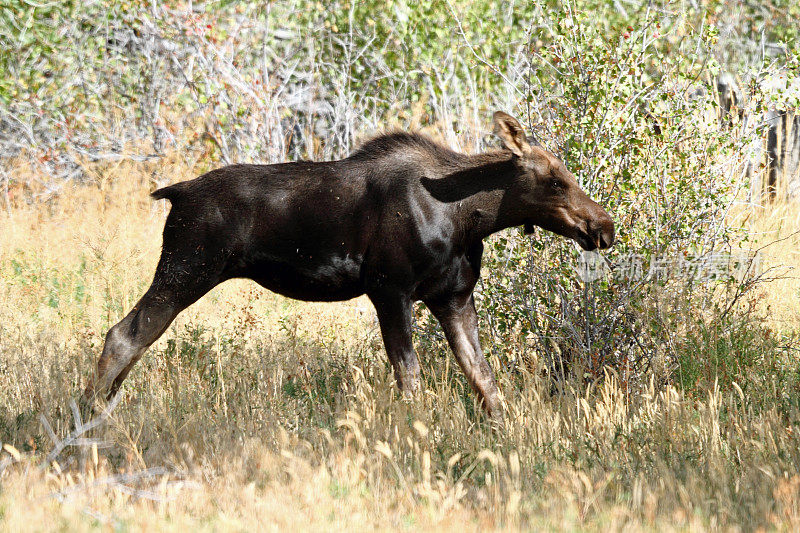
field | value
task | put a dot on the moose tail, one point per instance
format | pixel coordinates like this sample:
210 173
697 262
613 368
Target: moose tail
171 192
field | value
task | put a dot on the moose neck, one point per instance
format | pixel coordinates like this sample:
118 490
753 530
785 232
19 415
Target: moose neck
485 188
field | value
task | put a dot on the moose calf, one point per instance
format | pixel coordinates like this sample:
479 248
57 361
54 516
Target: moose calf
400 220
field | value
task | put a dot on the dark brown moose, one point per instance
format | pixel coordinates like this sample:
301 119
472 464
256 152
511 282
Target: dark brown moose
400 220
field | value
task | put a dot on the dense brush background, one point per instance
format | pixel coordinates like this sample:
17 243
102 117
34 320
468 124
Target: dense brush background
632 403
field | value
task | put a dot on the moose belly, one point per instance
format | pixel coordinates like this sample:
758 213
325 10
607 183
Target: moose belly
327 279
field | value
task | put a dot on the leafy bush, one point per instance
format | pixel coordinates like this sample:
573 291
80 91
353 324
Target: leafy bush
638 126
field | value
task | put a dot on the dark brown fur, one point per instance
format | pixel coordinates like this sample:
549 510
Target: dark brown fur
401 220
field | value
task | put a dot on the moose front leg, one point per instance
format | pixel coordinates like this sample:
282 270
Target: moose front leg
459 321
395 317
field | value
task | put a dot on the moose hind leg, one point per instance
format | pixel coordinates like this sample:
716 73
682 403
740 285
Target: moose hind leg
127 340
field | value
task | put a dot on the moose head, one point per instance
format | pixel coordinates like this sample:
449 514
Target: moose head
548 195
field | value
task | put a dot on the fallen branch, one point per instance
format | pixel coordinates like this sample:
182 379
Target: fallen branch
76 438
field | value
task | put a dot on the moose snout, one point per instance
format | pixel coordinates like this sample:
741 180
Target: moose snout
601 231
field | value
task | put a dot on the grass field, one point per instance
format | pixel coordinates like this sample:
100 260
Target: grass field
257 412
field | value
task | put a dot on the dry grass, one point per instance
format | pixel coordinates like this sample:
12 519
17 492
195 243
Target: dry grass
262 413
778 229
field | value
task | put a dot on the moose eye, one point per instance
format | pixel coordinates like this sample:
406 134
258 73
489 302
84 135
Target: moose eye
556 184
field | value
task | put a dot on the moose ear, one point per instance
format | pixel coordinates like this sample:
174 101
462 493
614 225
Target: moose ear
511 133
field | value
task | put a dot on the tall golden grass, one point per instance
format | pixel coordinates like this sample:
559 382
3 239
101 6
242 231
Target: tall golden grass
257 412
